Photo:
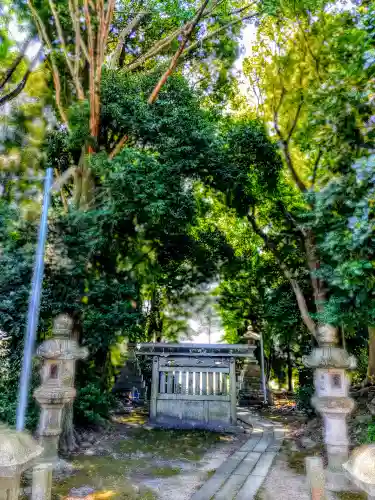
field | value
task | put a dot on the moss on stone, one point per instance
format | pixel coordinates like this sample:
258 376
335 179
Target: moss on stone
348 495
210 473
164 471
296 459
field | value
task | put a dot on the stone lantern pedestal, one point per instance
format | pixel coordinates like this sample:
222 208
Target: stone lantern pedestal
332 401
60 354
18 452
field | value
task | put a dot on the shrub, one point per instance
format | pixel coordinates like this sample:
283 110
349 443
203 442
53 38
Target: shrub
9 386
371 432
303 399
92 405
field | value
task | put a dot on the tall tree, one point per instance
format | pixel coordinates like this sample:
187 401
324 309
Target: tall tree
126 36
305 94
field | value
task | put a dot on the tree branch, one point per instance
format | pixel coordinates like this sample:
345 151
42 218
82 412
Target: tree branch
189 30
314 57
295 121
154 50
9 73
289 217
285 141
75 21
316 164
115 151
108 19
19 88
301 301
90 42
289 162
129 28
74 14
276 114
63 179
76 80
194 45
55 72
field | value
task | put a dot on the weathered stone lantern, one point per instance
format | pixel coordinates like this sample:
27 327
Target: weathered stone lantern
60 354
360 469
332 401
18 451
250 375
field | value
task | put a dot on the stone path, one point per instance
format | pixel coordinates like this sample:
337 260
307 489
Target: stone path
242 474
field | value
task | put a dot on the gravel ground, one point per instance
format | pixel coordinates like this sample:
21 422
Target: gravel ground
282 483
183 486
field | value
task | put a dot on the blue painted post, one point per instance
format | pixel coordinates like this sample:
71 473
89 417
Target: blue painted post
34 304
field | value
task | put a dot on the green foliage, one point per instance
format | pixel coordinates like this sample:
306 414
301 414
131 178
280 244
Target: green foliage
343 221
371 432
92 406
303 399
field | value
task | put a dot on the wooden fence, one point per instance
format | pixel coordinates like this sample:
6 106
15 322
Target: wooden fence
194 385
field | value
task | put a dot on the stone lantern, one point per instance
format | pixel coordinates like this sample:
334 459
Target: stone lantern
250 375
332 400
18 451
360 469
60 354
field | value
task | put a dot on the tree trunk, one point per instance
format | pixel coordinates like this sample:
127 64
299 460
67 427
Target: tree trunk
68 439
371 355
290 370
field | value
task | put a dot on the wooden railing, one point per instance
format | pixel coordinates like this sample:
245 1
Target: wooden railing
194 385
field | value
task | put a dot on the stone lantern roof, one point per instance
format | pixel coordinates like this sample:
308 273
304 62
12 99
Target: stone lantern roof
61 346
329 357
360 468
17 451
250 334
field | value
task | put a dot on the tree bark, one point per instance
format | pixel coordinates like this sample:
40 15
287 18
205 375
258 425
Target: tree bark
371 355
290 370
68 439
189 31
314 264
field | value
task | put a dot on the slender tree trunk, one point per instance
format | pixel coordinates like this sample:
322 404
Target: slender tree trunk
68 440
290 370
371 355
313 262
269 365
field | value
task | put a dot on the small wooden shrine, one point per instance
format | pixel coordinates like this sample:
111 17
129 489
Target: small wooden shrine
194 385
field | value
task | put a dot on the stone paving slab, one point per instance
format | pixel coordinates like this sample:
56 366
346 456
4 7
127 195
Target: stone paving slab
250 488
263 464
247 464
230 464
231 487
251 443
263 444
242 474
211 487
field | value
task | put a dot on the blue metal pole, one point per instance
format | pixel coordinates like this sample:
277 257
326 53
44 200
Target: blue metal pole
34 304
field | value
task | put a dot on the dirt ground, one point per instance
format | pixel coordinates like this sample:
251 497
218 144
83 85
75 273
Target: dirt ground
286 479
133 461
